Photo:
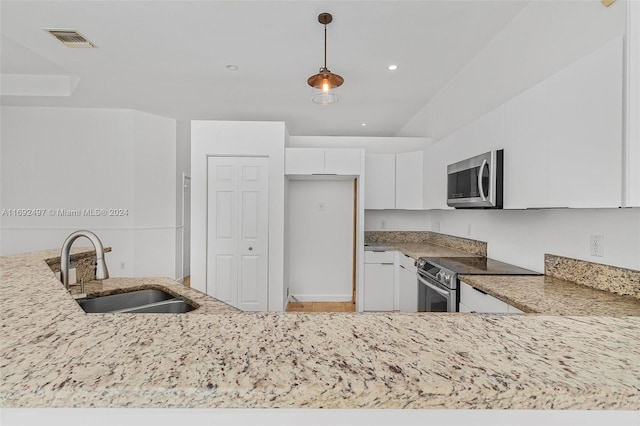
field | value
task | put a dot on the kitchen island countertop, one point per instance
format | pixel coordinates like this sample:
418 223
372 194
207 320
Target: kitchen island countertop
55 355
553 296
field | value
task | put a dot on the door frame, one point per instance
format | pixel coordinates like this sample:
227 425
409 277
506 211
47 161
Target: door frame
185 177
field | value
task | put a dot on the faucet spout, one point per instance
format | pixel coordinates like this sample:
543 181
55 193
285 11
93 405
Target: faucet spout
101 266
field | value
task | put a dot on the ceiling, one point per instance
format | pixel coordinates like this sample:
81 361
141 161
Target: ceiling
169 57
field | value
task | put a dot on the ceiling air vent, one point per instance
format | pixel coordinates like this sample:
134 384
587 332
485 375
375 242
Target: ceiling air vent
70 38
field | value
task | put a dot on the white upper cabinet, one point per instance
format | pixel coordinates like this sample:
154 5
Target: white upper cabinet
394 181
342 161
380 181
632 107
303 161
564 137
409 180
562 140
319 161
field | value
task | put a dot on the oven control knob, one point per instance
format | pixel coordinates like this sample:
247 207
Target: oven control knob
446 278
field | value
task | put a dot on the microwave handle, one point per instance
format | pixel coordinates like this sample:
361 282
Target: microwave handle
484 164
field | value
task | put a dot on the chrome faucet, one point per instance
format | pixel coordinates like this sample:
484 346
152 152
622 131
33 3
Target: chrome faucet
101 267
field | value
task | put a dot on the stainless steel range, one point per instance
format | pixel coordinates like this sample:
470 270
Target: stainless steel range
438 281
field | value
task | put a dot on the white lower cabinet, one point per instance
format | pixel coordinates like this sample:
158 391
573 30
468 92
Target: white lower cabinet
475 300
408 292
378 280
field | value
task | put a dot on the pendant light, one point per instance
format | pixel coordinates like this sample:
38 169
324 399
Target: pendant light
325 83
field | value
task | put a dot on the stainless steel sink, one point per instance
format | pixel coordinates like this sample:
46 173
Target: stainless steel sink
136 302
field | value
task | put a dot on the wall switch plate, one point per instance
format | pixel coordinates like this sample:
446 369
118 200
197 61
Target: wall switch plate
383 224
596 244
321 206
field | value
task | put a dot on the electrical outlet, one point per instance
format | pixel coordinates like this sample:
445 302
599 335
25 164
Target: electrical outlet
597 245
383 224
321 206
469 229
122 265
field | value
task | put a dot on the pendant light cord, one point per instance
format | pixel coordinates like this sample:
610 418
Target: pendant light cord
325 46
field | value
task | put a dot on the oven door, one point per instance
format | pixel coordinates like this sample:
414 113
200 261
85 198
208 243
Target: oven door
434 297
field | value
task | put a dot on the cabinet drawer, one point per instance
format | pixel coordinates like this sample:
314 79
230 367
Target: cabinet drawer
378 287
378 256
408 263
480 302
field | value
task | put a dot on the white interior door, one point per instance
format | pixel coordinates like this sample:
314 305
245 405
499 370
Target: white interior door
237 245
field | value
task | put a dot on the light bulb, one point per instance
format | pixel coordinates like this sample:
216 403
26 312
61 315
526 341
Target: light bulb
325 85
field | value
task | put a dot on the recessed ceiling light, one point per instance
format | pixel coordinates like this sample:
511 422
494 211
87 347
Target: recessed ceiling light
232 67
363 124
392 67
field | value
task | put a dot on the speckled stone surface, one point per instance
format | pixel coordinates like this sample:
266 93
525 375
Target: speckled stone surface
416 250
473 247
603 277
553 296
52 354
203 303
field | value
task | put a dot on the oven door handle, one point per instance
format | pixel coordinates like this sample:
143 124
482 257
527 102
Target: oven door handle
433 287
480 187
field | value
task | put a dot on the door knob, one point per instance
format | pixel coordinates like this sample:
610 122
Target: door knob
250 248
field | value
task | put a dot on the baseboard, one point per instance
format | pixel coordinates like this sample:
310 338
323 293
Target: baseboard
322 297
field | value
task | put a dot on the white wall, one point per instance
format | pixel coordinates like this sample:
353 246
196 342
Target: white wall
154 200
183 166
248 138
396 220
321 240
543 38
75 158
369 144
523 237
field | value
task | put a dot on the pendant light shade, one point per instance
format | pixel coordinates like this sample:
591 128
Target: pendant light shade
325 83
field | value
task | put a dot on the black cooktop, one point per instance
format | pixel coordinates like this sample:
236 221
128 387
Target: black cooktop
476 265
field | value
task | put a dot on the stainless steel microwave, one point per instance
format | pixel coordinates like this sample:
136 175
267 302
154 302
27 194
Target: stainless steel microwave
476 182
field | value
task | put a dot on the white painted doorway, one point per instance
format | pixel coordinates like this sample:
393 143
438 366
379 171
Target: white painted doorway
186 225
321 239
237 234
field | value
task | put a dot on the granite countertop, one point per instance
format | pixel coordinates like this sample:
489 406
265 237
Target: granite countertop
553 296
416 250
52 354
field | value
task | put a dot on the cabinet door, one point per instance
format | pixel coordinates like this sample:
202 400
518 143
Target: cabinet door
304 161
481 302
409 180
436 159
378 287
564 137
342 161
408 291
380 181
585 131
